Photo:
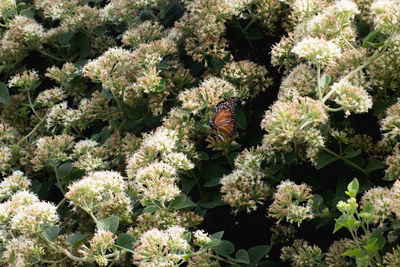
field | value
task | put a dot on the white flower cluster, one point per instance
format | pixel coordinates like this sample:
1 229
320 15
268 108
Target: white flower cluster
32 30
25 214
62 116
162 140
304 9
346 8
381 201
158 181
6 5
390 124
317 50
294 124
153 168
50 97
24 80
17 181
84 146
102 193
8 133
21 218
236 7
201 238
87 157
161 247
351 98
292 202
5 158
210 92
386 14
244 188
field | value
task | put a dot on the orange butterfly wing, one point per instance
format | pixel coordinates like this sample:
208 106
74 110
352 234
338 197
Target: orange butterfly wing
223 118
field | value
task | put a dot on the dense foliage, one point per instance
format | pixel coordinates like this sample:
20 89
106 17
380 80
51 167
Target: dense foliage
107 155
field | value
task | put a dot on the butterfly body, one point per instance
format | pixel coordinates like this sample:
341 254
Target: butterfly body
223 118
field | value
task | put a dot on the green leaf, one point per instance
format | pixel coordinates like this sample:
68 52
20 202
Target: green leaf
324 159
374 165
258 252
381 241
108 224
200 125
150 209
212 183
212 204
171 13
242 256
203 155
212 170
240 118
64 169
187 236
340 223
352 252
177 201
368 208
225 248
350 152
146 15
28 12
381 105
290 157
64 39
80 44
187 204
217 63
325 80
353 188
4 94
161 86
77 239
217 235
126 241
182 202
317 201
372 245
369 39
188 184
351 222
51 232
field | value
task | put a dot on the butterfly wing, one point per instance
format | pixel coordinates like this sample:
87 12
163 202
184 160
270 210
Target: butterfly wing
223 118
224 121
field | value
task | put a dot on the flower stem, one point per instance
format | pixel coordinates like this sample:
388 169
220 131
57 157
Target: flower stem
346 41
244 31
30 104
62 250
376 55
31 132
61 202
49 55
319 82
93 217
221 259
58 182
347 161
57 261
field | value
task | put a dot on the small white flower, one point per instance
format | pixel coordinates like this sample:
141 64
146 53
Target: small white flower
317 50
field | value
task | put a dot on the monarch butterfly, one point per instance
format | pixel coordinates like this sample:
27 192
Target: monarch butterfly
223 118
